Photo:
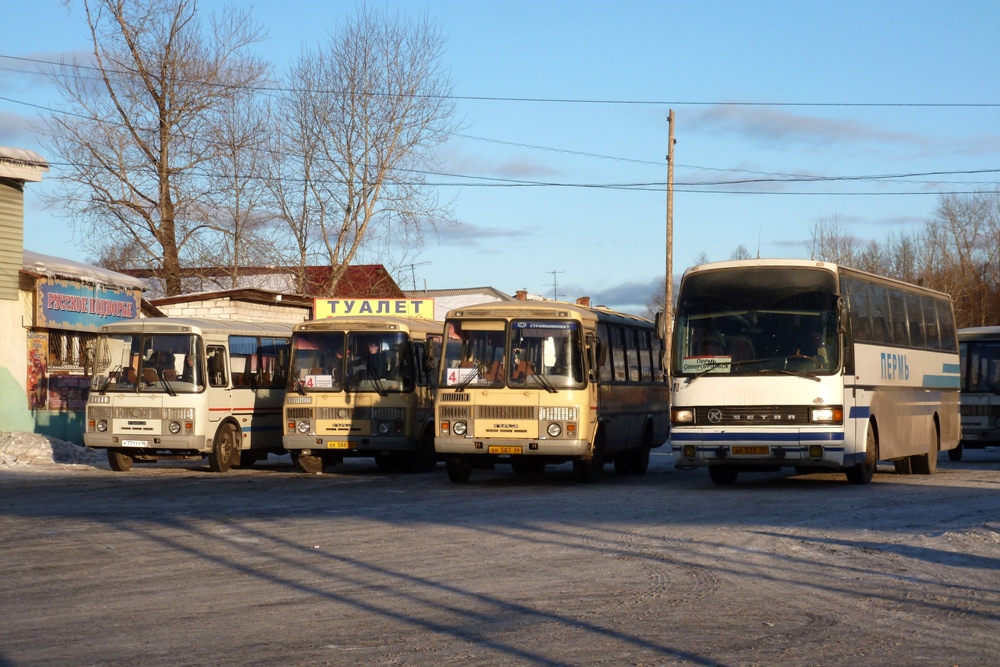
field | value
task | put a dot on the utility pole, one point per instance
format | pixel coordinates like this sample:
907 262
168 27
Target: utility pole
555 289
668 297
413 274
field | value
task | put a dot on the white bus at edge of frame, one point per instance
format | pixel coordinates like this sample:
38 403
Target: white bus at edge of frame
979 350
811 365
188 388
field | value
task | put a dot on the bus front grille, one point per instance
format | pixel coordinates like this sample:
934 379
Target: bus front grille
752 415
505 412
454 411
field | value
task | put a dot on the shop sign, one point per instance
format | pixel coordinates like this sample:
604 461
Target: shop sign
421 309
63 304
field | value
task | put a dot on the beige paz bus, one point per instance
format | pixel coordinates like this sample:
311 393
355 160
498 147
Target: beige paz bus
534 383
362 386
188 388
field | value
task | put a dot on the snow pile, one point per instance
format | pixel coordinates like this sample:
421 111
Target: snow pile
21 449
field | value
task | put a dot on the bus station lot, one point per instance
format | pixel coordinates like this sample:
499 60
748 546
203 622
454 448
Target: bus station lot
170 564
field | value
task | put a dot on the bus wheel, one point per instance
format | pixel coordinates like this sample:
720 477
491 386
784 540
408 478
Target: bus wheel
458 470
862 473
119 460
956 454
308 463
723 475
225 450
247 459
591 469
423 458
926 464
903 466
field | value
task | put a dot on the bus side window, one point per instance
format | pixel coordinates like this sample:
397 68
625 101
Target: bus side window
217 376
604 357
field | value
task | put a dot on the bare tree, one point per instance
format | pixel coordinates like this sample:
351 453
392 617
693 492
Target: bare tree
362 120
830 242
741 252
139 136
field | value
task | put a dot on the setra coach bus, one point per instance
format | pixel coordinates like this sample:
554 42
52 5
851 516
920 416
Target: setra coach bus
534 383
188 388
811 365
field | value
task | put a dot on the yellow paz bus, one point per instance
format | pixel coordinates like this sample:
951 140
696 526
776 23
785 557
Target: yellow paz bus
188 388
361 385
534 383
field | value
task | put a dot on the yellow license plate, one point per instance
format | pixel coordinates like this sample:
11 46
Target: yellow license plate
337 444
504 449
756 450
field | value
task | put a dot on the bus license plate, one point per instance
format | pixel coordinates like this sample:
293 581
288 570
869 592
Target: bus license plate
504 449
134 443
757 450
337 444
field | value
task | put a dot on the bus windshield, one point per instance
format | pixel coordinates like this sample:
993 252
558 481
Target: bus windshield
541 354
161 363
981 364
378 362
317 361
758 320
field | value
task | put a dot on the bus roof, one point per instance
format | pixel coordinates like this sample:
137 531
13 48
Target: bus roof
372 323
544 309
979 333
198 325
806 263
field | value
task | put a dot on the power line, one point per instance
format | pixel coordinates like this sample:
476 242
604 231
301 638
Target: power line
537 100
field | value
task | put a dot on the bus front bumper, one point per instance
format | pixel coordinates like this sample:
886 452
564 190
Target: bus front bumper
187 443
754 448
566 449
349 445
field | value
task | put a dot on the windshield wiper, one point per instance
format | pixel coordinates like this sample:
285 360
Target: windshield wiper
297 384
467 380
104 387
544 381
784 371
376 380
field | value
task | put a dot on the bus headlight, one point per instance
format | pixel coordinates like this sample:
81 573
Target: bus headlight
682 416
102 426
827 415
554 430
174 428
384 428
459 428
302 427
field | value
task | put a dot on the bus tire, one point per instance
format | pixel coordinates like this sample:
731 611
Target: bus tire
956 453
903 466
225 449
459 471
119 460
862 473
307 463
423 458
639 458
926 464
591 469
723 475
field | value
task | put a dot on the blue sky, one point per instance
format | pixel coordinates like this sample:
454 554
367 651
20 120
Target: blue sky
834 89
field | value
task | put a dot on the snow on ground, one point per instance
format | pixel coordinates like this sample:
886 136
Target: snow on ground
18 449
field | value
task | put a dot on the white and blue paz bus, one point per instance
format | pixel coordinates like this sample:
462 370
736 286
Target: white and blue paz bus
806 364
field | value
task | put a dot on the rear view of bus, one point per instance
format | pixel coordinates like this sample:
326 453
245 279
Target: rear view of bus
529 384
791 363
362 386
